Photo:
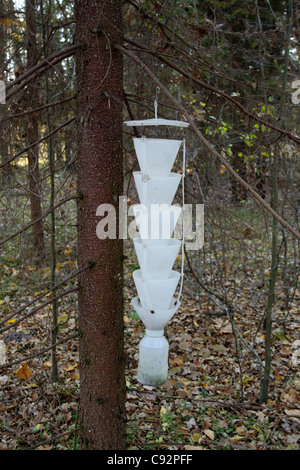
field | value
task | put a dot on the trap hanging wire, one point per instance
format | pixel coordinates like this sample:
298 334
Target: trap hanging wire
156 249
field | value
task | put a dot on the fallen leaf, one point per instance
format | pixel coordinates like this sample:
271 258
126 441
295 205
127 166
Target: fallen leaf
241 430
39 293
292 412
185 345
71 367
23 372
219 348
34 396
164 410
70 262
290 396
196 437
188 447
176 362
62 319
209 433
236 438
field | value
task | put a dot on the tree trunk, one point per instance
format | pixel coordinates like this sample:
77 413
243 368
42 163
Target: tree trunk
51 159
100 180
264 388
32 135
4 130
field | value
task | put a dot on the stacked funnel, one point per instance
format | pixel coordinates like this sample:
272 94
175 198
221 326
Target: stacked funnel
156 251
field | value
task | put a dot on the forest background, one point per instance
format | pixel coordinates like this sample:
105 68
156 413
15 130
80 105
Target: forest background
231 70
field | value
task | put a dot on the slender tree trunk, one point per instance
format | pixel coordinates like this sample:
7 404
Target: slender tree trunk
32 134
100 180
264 390
4 138
54 325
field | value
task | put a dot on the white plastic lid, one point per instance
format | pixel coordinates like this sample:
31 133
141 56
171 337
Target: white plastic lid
157 122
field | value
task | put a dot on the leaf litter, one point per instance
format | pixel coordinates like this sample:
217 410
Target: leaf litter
198 408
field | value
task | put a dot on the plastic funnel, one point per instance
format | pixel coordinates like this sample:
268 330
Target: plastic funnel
156 156
156 189
156 261
156 293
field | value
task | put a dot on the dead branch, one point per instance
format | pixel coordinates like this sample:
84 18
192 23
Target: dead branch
39 69
216 91
59 284
37 142
33 311
40 108
39 353
205 142
23 229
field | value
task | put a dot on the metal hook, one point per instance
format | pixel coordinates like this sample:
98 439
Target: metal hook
156 101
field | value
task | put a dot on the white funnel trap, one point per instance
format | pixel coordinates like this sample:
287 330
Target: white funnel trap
153 359
156 293
157 189
156 217
155 320
154 348
156 261
156 157
157 222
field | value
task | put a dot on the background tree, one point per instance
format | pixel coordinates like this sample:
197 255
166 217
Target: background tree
33 134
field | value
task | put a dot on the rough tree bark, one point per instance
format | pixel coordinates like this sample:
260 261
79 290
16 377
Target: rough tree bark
100 180
32 134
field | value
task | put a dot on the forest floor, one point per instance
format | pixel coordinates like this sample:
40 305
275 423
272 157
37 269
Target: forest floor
211 398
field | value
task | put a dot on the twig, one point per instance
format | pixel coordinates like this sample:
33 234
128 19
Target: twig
32 312
247 406
53 439
40 108
216 91
38 142
205 142
38 69
39 353
23 229
75 273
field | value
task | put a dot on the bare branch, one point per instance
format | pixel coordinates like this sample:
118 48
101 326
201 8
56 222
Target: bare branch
59 284
40 108
205 142
37 142
217 91
39 353
33 311
23 229
39 69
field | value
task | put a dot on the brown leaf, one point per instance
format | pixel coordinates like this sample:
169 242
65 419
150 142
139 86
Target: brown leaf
23 372
209 433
